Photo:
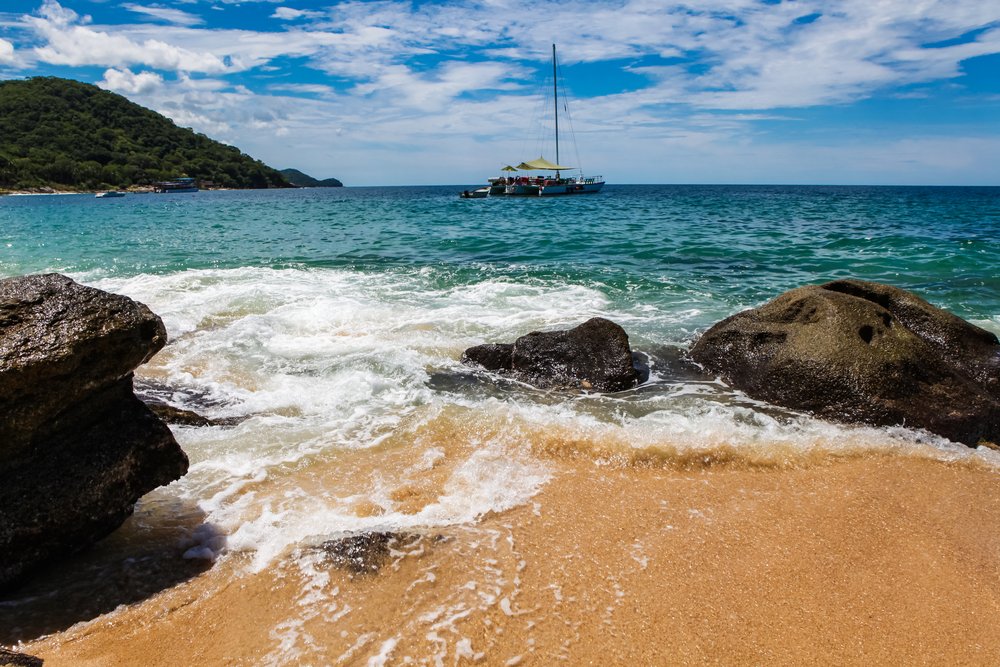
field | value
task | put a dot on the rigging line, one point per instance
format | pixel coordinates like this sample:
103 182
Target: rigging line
569 120
543 129
533 132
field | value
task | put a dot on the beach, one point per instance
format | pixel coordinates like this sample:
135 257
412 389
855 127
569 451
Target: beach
867 559
361 496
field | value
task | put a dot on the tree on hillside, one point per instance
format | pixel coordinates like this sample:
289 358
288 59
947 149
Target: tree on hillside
66 134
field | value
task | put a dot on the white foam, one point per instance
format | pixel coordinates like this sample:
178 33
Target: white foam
384 653
326 362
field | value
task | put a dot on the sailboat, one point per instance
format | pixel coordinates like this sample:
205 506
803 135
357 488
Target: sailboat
548 185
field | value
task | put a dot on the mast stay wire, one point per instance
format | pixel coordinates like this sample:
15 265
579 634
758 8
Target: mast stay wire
569 117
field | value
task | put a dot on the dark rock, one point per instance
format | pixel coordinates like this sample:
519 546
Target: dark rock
160 398
14 659
77 448
491 356
857 351
181 417
364 553
593 356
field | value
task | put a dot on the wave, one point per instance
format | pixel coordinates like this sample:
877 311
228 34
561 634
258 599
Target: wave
359 415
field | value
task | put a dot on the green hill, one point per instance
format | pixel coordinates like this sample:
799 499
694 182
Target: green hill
296 177
69 135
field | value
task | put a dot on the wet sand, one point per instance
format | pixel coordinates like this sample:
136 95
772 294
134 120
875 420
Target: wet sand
869 559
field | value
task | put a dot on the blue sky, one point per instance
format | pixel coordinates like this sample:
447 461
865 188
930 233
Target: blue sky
394 93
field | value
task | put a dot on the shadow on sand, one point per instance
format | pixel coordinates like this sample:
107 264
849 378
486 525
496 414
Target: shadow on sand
144 556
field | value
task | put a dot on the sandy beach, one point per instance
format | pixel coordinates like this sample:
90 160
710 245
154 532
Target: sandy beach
867 559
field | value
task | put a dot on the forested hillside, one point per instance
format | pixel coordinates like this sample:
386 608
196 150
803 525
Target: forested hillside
296 177
69 135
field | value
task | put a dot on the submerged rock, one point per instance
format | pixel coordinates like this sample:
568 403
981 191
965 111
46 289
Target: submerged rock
593 356
858 351
77 448
160 397
364 553
181 417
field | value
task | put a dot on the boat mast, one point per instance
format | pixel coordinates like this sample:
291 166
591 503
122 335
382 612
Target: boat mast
555 101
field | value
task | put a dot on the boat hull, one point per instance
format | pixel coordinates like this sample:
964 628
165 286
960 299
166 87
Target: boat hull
520 190
570 189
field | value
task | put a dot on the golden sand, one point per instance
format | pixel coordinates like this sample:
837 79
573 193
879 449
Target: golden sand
873 559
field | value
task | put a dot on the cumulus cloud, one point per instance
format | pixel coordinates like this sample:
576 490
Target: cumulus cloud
69 42
125 81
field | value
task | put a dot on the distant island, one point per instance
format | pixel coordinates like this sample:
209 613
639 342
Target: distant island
296 177
65 135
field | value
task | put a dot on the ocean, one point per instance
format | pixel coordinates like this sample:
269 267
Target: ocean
330 324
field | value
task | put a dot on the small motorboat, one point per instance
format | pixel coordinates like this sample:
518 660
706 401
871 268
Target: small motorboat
109 193
478 193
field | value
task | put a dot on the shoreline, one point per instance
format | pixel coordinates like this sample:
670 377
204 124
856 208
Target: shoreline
873 558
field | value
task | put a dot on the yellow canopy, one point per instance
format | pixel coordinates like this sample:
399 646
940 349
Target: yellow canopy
509 168
542 163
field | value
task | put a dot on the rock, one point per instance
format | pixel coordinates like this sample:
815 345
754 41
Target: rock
179 416
593 356
14 659
491 356
858 351
364 553
160 398
77 448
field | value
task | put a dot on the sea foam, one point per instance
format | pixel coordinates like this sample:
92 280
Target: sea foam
359 416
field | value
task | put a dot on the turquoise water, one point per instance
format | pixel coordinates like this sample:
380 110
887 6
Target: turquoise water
714 248
332 322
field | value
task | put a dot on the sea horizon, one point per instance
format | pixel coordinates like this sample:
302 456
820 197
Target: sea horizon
610 184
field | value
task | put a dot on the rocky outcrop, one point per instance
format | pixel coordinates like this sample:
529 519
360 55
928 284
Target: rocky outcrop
594 356
77 448
863 352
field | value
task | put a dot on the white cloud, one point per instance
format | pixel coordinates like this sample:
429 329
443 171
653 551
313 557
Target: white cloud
748 55
59 15
308 88
125 81
69 43
241 50
453 78
290 14
167 14
437 89
6 52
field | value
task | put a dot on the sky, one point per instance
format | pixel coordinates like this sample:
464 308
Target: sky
406 93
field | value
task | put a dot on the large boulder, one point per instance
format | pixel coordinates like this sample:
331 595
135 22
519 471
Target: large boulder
858 351
77 448
594 356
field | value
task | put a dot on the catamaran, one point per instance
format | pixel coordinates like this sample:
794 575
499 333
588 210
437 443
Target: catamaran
548 185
